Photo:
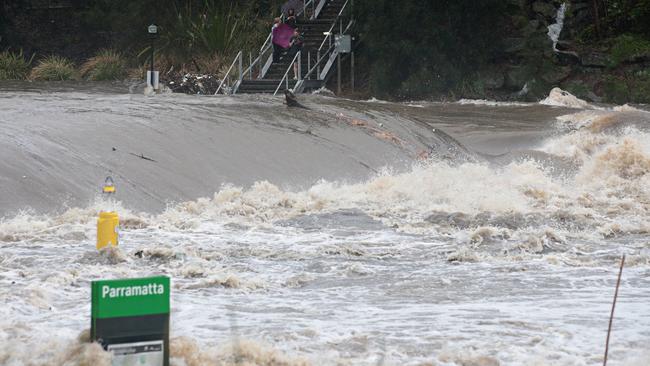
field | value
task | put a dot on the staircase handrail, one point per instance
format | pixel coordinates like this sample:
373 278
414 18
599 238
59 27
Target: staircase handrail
286 74
269 39
317 63
325 54
263 50
319 8
329 32
237 58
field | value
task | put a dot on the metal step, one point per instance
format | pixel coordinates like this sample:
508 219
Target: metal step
262 86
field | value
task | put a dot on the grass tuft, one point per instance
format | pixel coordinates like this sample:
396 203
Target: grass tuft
13 66
53 68
106 65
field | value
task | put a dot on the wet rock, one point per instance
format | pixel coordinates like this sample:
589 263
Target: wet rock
493 80
531 27
514 44
544 8
596 59
557 74
517 77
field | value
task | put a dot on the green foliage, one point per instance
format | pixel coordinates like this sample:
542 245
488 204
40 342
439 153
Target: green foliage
628 16
631 87
106 65
420 48
54 68
14 66
628 47
616 90
577 88
212 28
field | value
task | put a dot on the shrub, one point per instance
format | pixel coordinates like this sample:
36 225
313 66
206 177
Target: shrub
616 90
107 65
13 66
53 68
627 48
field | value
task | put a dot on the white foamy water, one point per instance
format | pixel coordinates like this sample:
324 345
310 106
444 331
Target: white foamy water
505 260
493 103
555 29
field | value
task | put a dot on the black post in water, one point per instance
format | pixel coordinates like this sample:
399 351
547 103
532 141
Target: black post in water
153 31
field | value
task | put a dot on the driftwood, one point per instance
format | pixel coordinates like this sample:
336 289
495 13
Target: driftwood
141 156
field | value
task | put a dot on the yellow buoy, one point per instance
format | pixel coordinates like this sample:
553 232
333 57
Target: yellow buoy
107 229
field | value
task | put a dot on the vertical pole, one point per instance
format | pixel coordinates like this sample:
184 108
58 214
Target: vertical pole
152 52
318 68
250 65
241 66
308 61
338 82
352 71
611 317
299 65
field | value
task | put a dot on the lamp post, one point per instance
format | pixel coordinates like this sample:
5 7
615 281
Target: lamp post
153 31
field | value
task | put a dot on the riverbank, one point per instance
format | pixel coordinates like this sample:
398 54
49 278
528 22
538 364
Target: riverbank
508 51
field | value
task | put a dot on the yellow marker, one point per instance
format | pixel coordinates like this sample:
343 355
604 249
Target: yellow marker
109 186
107 229
108 222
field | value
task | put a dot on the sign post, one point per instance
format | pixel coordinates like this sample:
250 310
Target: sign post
131 319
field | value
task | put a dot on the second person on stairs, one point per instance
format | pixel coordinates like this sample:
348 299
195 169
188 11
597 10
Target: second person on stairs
297 41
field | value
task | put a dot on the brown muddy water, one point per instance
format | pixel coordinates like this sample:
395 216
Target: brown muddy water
352 233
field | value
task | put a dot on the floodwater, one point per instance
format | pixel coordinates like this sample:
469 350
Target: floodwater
351 233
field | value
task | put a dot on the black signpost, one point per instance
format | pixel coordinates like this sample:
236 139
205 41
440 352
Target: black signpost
130 318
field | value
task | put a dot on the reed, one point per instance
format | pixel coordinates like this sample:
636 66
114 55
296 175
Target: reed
54 68
106 65
14 66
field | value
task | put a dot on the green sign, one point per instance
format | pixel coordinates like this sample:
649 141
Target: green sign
131 297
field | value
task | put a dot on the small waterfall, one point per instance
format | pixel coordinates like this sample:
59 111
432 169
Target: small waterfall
555 29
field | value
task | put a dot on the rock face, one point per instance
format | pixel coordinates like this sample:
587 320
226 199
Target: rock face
557 74
544 8
589 69
595 59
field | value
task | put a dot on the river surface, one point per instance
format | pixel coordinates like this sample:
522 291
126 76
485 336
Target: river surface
349 233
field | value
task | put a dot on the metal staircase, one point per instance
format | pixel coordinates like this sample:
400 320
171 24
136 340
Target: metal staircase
326 19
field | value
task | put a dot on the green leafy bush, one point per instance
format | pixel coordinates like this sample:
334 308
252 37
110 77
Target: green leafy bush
54 68
106 65
13 66
627 48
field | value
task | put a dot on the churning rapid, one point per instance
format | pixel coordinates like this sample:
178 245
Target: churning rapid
352 233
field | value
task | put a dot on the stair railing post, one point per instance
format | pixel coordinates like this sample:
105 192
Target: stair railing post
352 71
299 65
308 61
318 68
241 66
338 78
